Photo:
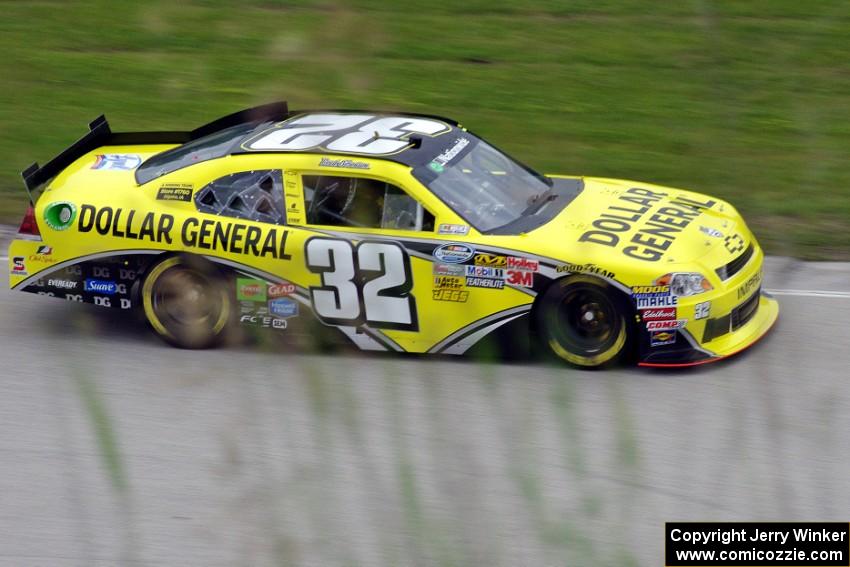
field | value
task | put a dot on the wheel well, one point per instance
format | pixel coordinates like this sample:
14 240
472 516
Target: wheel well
623 300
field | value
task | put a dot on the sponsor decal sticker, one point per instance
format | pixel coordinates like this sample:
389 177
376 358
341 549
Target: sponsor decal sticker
453 253
454 295
60 215
585 269
265 321
44 250
449 270
281 290
328 162
658 220
64 284
18 266
490 260
100 286
283 307
485 282
712 232
123 162
175 192
658 314
660 338
250 289
439 163
749 285
734 243
460 229
485 272
647 296
665 325
524 264
207 234
448 282
520 278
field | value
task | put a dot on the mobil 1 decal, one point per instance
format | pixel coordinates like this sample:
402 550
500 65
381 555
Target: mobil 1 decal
653 218
365 284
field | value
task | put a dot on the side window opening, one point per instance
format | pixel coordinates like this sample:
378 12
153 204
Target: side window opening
361 202
252 195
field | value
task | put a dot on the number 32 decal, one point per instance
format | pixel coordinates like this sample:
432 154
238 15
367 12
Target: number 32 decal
369 283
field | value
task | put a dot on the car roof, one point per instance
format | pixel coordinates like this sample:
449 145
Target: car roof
413 148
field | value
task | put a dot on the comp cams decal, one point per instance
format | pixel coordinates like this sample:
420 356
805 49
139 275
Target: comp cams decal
658 229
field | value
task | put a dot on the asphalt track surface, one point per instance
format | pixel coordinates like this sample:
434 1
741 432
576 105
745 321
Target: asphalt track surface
116 449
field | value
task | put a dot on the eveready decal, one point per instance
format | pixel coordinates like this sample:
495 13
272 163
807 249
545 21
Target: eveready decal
656 233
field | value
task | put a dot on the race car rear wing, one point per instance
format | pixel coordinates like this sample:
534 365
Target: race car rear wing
100 134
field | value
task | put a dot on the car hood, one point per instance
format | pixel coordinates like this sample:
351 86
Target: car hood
645 225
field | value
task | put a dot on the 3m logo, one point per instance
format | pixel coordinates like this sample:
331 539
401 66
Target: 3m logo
520 278
490 260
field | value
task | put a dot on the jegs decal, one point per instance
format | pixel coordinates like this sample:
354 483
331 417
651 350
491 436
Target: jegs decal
369 283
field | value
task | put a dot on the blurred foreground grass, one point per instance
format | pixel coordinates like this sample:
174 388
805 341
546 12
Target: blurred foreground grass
746 100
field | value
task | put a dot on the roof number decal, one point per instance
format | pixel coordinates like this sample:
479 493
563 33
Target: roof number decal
365 134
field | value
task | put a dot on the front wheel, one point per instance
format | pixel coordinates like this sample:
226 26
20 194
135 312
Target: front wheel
186 302
581 321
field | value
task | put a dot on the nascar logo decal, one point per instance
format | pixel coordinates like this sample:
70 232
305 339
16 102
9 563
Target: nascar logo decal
454 253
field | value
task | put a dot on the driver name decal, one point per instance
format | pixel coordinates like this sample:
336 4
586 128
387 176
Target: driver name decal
657 230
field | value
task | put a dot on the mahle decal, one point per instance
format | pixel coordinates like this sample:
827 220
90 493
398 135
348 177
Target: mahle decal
60 215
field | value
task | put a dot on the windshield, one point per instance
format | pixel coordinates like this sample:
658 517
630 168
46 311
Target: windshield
481 184
214 146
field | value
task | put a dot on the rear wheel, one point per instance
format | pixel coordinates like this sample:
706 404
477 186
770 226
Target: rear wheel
187 302
581 321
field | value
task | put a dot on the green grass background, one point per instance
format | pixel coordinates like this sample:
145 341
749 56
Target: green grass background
747 100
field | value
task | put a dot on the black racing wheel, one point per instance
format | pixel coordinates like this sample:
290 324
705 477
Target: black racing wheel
582 321
187 302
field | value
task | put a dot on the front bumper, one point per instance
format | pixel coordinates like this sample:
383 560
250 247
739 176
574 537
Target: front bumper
738 315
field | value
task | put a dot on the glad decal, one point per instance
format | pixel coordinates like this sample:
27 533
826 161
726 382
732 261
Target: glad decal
657 231
207 234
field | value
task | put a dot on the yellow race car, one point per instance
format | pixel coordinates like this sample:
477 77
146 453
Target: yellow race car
394 231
